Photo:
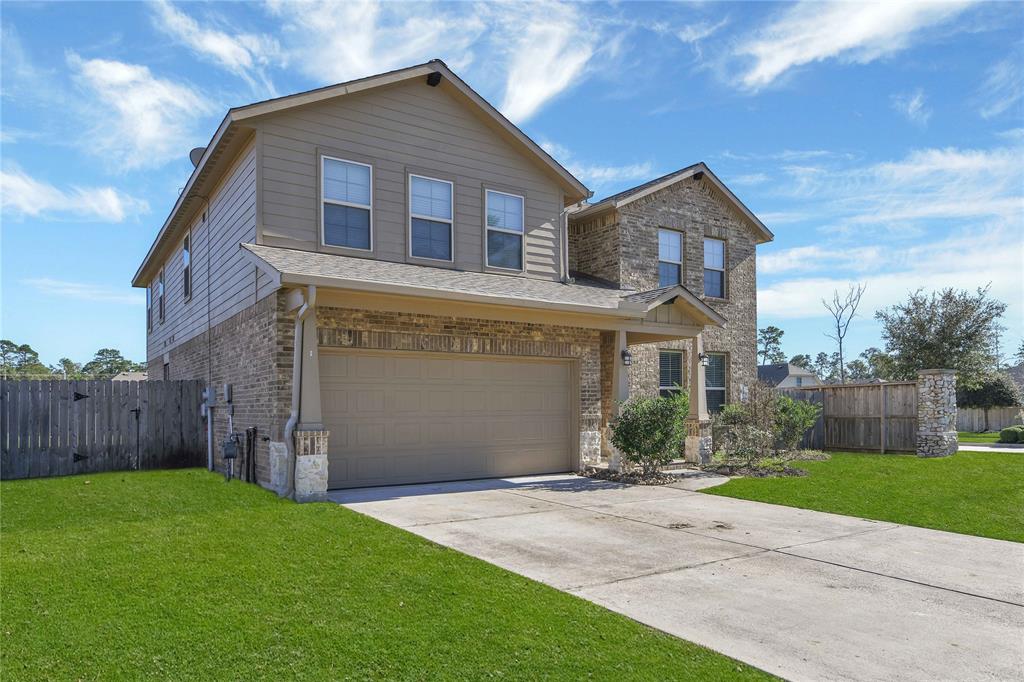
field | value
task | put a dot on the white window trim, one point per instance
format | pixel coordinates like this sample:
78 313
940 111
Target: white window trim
336 202
149 307
450 221
521 233
186 239
161 297
725 374
679 262
682 371
725 276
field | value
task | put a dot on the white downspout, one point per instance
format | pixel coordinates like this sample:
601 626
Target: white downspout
309 305
563 237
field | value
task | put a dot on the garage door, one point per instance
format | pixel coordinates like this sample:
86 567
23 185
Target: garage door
398 417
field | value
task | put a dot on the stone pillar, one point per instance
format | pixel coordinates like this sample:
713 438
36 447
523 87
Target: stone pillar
936 413
311 466
697 448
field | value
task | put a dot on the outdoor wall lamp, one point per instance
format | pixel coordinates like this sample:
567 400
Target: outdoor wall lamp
704 359
627 358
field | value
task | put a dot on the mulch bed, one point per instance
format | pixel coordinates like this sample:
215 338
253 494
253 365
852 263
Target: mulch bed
631 477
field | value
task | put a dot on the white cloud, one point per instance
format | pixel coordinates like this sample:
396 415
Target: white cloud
694 33
912 106
599 177
137 119
851 32
244 54
83 291
816 258
1003 87
23 195
749 179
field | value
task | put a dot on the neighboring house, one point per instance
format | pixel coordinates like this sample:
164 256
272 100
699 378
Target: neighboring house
785 375
130 376
381 271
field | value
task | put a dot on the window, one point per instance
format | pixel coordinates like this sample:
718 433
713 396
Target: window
430 218
670 372
186 266
714 268
347 203
160 295
670 258
504 230
799 381
714 381
167 371
149 307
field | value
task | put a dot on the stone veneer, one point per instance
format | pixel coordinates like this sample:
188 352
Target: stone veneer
253 352
936 413
350 328
629 238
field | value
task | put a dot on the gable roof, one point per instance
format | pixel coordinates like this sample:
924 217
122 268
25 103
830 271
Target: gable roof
230 136
696 171
774 374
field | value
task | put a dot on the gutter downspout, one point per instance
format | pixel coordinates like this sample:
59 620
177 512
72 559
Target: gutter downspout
293 418
563 237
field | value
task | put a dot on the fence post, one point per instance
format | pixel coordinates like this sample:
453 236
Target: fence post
884 426
936 413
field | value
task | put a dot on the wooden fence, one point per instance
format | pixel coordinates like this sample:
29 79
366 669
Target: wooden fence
57 428
973 418
878 417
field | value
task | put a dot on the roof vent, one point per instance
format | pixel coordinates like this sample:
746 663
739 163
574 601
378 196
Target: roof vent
196 155
433 78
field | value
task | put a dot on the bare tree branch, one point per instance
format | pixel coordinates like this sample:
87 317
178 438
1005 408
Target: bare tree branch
843 311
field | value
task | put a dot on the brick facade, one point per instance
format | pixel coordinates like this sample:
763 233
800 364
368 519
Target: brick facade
348 328
697 210
253 352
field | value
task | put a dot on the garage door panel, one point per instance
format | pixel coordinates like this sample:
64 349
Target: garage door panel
405 417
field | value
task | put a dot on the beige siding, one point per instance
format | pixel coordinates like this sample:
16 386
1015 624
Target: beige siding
409 127
231 220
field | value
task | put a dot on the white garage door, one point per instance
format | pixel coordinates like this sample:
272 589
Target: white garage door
397 417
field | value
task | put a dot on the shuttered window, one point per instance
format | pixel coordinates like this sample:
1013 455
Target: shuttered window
714 381
670 372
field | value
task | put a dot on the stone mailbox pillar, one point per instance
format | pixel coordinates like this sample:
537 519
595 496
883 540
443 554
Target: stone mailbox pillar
936 413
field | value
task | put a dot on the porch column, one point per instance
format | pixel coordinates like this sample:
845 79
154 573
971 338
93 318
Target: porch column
698 424
311 437
310 415
620 393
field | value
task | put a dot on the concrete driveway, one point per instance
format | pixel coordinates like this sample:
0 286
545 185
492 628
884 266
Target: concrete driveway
802 594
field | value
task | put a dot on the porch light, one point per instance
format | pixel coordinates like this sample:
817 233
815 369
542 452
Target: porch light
704 359
627 358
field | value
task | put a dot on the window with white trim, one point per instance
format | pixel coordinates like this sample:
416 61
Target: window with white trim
504 230
799 381
714 381
347 200
714 268
149 307
670 258
160 295
430 218
186 265
670 372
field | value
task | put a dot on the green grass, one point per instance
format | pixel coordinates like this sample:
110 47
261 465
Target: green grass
179 575
972 437
977 493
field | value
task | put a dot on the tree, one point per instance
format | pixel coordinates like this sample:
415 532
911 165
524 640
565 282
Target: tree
109 362
67 368
826 367
769 345
994 390
1019 355
843 311
21 361
879 363
858 370
948 329
802 360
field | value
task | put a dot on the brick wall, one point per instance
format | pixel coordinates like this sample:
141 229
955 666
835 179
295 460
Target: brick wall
348 328
594 247
252 351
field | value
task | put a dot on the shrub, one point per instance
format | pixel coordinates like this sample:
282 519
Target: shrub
792 419
1010 435
650 431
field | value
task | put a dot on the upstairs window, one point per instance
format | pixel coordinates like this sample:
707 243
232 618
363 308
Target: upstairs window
714 268
186 266
670 372
149 307
347 203
670 258
160 296
430 218
714 381
504 230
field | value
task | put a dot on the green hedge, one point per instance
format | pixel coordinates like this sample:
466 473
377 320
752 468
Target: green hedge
1012 434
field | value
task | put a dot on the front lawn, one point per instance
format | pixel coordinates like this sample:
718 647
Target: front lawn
977 493
179 575
972 437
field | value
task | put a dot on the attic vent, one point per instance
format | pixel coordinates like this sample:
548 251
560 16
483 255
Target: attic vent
196 155
433 78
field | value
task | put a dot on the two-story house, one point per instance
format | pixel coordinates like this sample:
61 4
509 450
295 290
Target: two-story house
400 287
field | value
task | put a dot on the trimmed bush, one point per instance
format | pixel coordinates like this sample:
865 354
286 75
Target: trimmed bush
1010 435
650 432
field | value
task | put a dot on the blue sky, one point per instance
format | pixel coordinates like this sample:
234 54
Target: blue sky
882 143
